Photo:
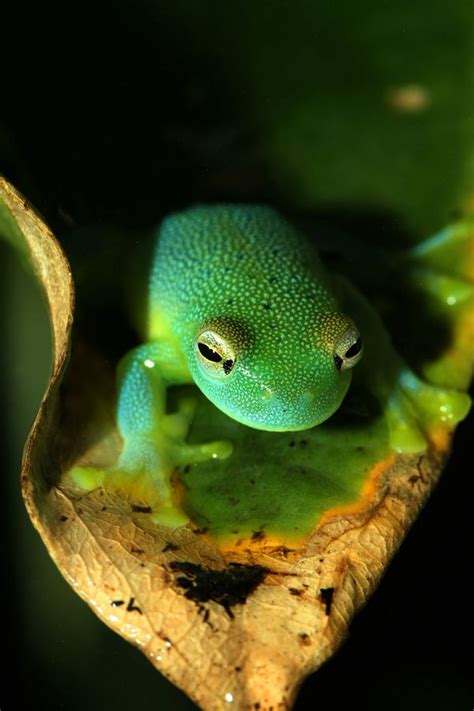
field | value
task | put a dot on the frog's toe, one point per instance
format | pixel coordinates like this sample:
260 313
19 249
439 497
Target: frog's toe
417 411
86 478
139 485
436 406
170 516
405 434
187 407
194 453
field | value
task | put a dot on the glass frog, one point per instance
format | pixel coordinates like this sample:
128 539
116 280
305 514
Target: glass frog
241 305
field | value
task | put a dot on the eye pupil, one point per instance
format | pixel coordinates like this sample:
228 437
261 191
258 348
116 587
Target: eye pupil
209 353
354 349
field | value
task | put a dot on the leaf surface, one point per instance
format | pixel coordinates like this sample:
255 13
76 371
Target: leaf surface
238 610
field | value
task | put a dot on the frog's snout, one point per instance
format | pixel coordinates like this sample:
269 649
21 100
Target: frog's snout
294 410
278 395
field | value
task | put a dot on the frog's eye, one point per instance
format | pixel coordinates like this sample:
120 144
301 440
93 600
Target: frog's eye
215 354
348 350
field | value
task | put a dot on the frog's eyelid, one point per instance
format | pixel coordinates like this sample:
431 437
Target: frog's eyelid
215 354
345 359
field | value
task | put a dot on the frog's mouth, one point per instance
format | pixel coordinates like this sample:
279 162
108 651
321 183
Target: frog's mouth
274 413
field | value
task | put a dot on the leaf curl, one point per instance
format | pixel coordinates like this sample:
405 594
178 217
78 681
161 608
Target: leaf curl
236 624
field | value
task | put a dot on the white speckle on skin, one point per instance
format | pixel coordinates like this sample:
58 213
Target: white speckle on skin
251 274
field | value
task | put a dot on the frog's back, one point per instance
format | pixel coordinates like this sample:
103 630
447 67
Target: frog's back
241 261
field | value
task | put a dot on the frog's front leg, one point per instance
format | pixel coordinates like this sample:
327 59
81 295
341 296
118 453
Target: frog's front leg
153 441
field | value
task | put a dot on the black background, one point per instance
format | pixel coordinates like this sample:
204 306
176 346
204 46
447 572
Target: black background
103 124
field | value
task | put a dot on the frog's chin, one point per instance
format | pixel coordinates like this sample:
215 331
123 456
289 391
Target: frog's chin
269 427
268 424
289 428
287 412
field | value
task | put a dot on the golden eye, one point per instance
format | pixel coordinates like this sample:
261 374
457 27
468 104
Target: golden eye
215 354
348 350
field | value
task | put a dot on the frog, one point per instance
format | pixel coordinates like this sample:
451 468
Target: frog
241 305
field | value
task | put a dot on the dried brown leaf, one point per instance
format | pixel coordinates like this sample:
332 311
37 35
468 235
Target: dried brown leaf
238 628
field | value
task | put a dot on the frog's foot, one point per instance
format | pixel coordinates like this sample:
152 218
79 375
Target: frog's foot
146 479
175 428
419 413
148 464
85 478
135 480
170 515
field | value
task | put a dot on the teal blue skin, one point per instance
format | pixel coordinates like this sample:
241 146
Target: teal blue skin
246 274
241 285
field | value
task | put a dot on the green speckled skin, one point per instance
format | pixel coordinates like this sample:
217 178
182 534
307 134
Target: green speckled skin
246 272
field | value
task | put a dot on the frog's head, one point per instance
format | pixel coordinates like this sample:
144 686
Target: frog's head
275 382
